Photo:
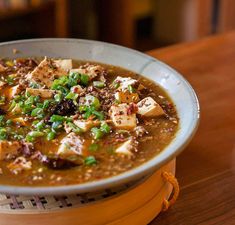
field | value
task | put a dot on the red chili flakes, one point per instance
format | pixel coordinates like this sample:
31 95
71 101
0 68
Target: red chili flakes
132 109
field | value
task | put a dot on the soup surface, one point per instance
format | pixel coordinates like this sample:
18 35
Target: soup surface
69 122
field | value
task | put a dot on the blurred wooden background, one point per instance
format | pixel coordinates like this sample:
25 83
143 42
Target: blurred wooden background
140 24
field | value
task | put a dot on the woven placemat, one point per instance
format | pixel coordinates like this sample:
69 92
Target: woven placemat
19 202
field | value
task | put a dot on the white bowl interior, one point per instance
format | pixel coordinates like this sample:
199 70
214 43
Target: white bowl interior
176 86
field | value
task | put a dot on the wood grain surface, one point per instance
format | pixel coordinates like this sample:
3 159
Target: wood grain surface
206 169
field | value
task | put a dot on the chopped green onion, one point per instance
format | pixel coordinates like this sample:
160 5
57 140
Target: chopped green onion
46 104
90 160
68 119
63 90
99 115
3 133
2 120
116 84
84 79
37 112
98 84
8 122
12 105
28 105
36 134
57 118
56 125
18 136
62 81
75 129
92 101
105 128
131 89
97 133
51 135
90 110
74 75
39 105
33 134
73 79
27 94
47 130
35 122
58 97
83 108
30 138
10 79
40 125
72 96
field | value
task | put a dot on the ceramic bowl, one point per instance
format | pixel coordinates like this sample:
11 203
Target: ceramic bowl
175 85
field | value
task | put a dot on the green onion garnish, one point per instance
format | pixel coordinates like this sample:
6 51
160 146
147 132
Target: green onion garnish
90 160
99 84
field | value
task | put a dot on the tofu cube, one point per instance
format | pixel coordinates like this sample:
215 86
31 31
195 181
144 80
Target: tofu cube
121 117
124 82
148 107
46 72
43 93
126 97
9 148
86 125
71 148
65 64
126 148
91 70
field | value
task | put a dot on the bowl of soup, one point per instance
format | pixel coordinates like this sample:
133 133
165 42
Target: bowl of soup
79 116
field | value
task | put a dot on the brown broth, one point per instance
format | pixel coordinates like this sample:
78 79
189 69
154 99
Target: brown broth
161 131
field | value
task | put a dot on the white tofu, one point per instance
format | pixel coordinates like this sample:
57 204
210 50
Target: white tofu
8 148
77 89
126 148
43 93
91 70
86 125
71 147
121 118
65 64
46 72
13 91
125 82
126 97
148 107
19 165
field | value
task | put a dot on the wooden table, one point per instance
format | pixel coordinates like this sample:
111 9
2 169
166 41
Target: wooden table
206 169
